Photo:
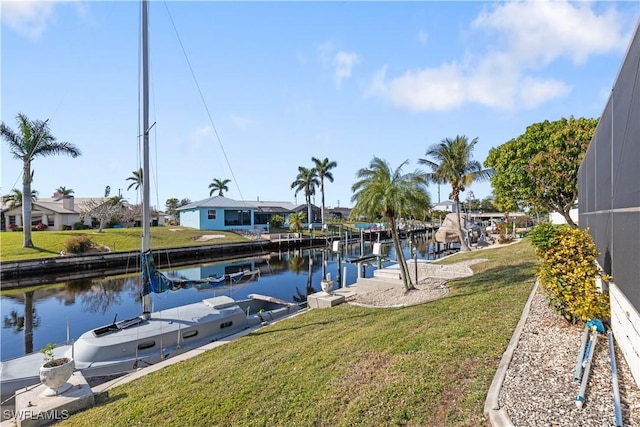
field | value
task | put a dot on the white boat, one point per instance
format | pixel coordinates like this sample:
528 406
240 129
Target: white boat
154 336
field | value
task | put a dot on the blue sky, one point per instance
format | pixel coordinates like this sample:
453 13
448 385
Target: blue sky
282 82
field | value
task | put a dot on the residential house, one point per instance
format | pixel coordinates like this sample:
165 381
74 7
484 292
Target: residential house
223 213
61 212
57 213
447 206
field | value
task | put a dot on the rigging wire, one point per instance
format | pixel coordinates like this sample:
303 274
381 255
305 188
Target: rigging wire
204 102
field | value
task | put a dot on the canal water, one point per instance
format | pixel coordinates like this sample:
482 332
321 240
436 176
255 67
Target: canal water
57 312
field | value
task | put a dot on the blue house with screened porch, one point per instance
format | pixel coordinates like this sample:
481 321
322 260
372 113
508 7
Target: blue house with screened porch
225 214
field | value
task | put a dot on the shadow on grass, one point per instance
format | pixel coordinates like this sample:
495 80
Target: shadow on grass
45 251
496 278
105 398
340 317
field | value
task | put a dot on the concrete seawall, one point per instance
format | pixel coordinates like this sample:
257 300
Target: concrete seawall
15 274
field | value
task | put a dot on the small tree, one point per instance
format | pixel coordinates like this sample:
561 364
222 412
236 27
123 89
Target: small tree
276 221
102 210
296 220
539 169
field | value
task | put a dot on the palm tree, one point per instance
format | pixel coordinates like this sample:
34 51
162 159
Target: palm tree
14 198
383 192
136 179
33 139
307 181
219 185
452 163
64 191
323 168
296 219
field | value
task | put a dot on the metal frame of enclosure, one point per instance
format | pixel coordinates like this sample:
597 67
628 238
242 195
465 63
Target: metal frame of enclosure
609 201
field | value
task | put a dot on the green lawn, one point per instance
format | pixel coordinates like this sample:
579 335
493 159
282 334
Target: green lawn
426 365
50 243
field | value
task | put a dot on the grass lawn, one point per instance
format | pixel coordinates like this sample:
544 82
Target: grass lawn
50 243
426 365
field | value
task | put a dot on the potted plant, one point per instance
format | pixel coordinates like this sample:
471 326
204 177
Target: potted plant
54 373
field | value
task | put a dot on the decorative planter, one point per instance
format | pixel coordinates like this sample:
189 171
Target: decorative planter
54 375
327 286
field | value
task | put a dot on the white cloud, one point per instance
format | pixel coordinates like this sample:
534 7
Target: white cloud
423 37
343 63
200 138
27 18
30 18
242 122
542 31
532 34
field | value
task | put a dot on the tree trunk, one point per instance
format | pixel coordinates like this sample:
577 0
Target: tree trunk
309 220
28 322
322 192
26 204
463 243
404 271
568 218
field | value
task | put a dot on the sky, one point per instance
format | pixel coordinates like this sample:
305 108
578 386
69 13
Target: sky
250 91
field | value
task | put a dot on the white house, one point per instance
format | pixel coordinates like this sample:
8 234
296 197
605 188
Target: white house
447 205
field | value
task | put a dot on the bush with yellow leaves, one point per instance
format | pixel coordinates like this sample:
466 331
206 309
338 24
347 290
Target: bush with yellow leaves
569 272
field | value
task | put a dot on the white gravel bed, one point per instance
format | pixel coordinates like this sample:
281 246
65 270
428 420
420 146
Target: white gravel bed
539 387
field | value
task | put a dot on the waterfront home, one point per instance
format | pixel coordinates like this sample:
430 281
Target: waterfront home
222 213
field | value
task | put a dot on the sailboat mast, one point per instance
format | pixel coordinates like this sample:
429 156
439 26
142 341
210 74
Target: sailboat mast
146 230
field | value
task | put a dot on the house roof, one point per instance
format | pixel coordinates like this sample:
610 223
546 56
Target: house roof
225 202
55 205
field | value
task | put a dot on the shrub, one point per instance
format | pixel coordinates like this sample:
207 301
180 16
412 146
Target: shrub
276 221
41 226
542 236
78 226
504 230
78 244
568 272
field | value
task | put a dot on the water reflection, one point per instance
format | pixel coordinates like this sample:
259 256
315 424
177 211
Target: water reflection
54 312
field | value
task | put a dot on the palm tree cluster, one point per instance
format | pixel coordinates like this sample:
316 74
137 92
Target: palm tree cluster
309 179
381 192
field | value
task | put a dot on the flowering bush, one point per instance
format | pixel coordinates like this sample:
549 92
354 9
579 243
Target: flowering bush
568 272
11 227
40 226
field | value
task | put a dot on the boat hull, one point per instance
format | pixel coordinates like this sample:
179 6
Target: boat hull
136 343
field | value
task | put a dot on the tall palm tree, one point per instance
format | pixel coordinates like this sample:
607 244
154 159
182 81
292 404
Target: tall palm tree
323 168
307 181
219 185
32 140
136 179
451 162
382 192
64 191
